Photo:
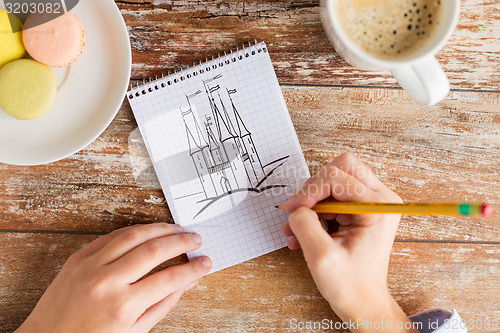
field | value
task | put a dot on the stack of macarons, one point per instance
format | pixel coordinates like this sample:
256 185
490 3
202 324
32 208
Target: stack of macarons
28 87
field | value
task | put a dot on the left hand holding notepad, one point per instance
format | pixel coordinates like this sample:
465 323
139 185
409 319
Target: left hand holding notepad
100 288
349 265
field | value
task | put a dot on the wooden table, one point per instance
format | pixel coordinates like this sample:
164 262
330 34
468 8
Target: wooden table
449 152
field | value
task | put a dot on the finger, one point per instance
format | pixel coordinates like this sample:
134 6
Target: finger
311 236
348 163
344 219
294 194
285 228
385 227
156 287
132 238
327 216
333 183
98 243
293 244
157 312
321 174
141 260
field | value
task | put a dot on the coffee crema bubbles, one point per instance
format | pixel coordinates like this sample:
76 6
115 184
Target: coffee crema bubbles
389 29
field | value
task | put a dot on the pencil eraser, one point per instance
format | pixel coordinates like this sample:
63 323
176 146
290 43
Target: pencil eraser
486 210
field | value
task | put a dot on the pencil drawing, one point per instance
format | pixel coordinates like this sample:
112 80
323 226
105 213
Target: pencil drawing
222 148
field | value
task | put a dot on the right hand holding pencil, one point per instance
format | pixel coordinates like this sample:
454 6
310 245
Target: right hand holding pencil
349 265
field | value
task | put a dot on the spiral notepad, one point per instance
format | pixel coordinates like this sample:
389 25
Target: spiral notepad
225 152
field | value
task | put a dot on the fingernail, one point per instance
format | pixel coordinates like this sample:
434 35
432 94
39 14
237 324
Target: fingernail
196 238
191 285
205 261
179 228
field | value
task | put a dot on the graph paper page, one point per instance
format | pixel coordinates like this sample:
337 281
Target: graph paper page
225 152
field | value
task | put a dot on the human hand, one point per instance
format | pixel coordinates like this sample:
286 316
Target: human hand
101 287
348 265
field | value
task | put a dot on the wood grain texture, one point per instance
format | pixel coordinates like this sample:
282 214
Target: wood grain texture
167 34
445 153
449 152
264 294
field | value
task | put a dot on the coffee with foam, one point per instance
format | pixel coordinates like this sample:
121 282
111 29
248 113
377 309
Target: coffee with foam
389 29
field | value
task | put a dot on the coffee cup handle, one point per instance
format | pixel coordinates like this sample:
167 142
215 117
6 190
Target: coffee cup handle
424 81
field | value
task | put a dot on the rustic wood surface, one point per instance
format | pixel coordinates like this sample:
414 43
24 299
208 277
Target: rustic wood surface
168 34
266 293
448 152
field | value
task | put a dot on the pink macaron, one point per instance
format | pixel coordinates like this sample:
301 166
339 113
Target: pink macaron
54 41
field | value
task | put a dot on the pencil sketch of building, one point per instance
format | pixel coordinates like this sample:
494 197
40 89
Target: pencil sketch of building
222 148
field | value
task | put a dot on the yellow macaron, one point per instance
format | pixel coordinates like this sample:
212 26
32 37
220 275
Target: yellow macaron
28 89
11 43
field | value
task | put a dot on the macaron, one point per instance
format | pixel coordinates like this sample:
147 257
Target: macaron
54 40
11 42
28 89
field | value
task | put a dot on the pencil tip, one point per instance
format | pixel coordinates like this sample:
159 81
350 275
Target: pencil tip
277 206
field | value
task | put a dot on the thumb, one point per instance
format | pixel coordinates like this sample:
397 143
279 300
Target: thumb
313 239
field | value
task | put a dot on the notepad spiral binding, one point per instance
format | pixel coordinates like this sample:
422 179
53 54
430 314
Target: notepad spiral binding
196 69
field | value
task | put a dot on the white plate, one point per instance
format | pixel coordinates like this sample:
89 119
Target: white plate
87 100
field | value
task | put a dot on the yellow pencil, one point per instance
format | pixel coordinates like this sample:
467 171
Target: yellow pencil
449 209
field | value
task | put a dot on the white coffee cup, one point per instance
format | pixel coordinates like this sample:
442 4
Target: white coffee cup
419 74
